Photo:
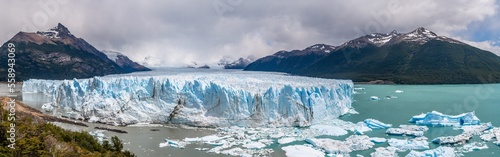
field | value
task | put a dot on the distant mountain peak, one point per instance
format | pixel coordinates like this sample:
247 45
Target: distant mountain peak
56 32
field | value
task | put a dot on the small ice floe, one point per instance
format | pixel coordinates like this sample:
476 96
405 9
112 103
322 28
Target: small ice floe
47 107
453 140
407 130
286 140
378 140
390 97
470 147
360 128
254 145
435 118
398 91
404 132
301 151
173 143
99 135
351 143
374 98
413 144
376 124
317 130
330 146
438 152
384 152
359 88
477 129
492 134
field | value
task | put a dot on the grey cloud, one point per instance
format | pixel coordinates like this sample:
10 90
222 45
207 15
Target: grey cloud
181 31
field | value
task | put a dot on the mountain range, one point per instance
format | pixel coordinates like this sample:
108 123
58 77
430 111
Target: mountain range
418 57
58 54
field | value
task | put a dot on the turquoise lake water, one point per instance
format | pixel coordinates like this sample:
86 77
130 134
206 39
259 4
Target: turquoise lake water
484 100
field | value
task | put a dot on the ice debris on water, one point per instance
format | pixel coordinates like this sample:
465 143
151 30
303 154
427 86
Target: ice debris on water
438 152
302 151
374 98
409 144
408 130
384 152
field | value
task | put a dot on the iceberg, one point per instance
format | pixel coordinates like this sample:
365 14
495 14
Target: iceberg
453 140
286 140
374 98
404 132
375 124
301 151
414 144
435 118
210 99
438 152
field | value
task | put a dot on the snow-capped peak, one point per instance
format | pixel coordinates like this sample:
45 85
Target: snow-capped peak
420 35
54 32
321 47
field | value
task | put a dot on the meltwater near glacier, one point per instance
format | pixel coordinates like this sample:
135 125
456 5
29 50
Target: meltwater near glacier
198 98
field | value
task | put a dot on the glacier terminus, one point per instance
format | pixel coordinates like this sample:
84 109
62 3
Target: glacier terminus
197 98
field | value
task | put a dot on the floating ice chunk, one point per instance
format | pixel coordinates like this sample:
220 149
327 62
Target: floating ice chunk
330 146
359 88
375 124
374 98
492 134
359 142
47 107
398 91
470 147
301 151
254 145
360 128
378 140
409 144
384 152
435 118
236 152
327 130
93 119
476 129
287 140
173 143
453 140
438 152
414 127
404 132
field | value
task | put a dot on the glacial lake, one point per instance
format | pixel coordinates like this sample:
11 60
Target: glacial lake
416 99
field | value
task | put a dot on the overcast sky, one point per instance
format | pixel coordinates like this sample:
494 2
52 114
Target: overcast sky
178 32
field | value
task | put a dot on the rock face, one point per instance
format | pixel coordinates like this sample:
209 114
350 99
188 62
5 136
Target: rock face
57 54
124 62
417 57
291 61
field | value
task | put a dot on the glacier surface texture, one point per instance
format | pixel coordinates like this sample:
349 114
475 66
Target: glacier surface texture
198 98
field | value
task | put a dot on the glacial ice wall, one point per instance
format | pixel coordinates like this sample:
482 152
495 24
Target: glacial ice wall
208 99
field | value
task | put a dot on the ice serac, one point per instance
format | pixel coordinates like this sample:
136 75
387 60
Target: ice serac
208 99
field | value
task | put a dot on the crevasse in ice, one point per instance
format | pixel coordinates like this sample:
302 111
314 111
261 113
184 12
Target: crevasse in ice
218 99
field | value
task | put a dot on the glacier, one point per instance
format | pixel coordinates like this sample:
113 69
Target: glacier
208 99
435 118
